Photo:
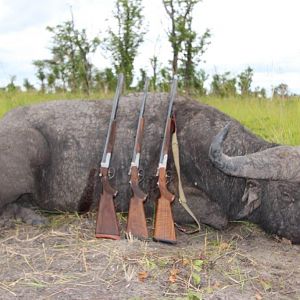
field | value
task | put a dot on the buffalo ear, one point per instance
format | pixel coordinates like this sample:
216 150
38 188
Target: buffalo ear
251 198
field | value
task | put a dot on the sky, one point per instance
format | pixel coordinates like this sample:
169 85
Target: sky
262 34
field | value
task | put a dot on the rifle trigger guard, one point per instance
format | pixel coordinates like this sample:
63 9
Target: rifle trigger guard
168 176
111 173
141 175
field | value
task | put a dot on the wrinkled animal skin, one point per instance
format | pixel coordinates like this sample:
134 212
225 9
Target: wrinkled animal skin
50 155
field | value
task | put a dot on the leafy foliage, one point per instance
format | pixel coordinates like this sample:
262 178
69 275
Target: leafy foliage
123 43
187 46
69 67
27 85
223 85
179 13
281 90
244 81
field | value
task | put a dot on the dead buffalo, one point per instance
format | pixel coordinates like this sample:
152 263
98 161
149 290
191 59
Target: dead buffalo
50 153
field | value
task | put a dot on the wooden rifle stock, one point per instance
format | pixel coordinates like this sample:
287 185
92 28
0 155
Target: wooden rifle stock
136 222
164 230
107 223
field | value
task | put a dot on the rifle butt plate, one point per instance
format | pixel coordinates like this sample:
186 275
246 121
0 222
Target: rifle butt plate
162 240
107 236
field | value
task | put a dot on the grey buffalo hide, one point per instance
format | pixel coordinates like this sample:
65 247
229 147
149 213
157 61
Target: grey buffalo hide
50 155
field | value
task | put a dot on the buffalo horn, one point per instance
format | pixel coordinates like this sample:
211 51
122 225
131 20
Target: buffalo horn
277 163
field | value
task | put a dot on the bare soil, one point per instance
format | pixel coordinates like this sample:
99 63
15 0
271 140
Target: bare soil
65 261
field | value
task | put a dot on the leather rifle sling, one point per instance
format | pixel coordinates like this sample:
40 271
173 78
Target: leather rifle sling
182 198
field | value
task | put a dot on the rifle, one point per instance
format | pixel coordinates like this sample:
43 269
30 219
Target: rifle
107 223
164 230
136 223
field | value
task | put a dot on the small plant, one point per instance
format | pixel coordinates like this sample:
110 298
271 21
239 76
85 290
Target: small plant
196 269
194 296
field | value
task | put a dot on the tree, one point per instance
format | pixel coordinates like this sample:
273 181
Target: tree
223 86
179 13
199 79
260 92
154 65
193 48
281 90
11 87
245 81
142 80
165 78
69 67
105 80
70 50
123 43
27 85
187 46
40 73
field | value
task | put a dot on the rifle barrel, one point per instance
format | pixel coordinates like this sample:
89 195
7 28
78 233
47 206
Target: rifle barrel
136 149
107 152
163 154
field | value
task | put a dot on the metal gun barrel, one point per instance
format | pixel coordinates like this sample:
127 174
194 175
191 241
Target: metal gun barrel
172 94
135 156
142 110
106 155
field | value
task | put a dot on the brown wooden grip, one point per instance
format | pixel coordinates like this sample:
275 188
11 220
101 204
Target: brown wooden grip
107 223
136 222
164 230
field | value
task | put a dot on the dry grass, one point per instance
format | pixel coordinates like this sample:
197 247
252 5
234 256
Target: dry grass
65 261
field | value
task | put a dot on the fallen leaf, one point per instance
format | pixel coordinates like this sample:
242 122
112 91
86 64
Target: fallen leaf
185 261
258 296
216 285
224 246
142 276
173 276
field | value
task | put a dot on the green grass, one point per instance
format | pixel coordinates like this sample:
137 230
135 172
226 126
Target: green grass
274 120
10 100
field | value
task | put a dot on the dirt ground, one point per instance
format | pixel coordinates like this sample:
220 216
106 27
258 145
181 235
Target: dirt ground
65 261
